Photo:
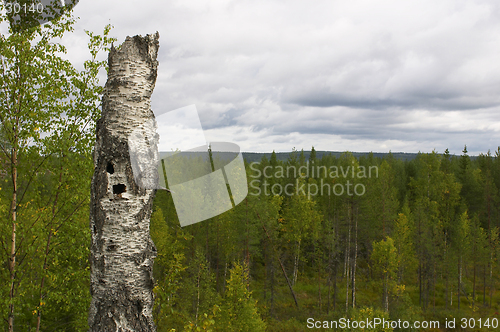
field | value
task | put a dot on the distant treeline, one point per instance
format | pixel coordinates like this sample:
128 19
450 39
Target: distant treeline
283 156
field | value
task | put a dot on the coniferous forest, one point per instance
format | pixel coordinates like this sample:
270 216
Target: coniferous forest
411 240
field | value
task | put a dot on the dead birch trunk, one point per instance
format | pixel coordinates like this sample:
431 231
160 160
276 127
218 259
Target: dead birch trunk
122 251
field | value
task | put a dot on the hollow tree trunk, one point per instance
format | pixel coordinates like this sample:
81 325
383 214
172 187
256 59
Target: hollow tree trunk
122 251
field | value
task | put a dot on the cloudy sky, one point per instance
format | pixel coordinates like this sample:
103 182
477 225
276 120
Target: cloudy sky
337 75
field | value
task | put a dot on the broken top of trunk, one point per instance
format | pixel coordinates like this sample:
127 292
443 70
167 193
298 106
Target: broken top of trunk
122 251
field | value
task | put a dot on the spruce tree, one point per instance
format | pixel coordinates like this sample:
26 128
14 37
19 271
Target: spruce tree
238 308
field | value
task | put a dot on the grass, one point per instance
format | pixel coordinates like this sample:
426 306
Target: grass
285 316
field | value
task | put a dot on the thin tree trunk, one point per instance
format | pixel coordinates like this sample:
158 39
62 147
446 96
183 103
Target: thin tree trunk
319 279
474 286
434 287
329 292
207 253
446 276
428 289
281 264
12 265
484 285
39 311
386 292
420 283
217 257
330 273
345 261
446 291
198 294
296 264
335 289
266 266
491 279
282 267
122 251
271 270
459 281
248 236
348 263
335 266
419 246
47 247
225 277
353 300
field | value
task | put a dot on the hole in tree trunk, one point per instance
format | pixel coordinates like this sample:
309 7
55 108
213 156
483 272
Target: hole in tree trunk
112 247
110 168
119 188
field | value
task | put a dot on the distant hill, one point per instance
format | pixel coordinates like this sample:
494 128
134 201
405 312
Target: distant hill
257 156
283 156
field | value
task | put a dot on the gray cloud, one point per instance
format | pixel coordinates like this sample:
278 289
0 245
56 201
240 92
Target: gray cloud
385 75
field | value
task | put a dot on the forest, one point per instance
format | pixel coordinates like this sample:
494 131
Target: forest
419 243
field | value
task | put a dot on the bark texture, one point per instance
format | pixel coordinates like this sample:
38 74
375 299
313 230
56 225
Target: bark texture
122 251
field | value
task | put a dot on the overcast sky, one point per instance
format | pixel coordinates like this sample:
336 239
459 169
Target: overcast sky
338 75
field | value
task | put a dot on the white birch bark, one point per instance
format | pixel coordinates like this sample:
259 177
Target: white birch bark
122 251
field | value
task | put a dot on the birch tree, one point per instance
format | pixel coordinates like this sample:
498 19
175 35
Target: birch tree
47 112
385 261
122 251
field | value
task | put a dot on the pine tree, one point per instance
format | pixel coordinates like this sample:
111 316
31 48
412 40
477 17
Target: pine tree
461 241
469 178
426 190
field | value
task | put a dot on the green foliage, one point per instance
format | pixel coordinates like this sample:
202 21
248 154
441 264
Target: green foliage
385 261
168 268
385 258
368 313
206 323
238 308
290 325
48 111
404 229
